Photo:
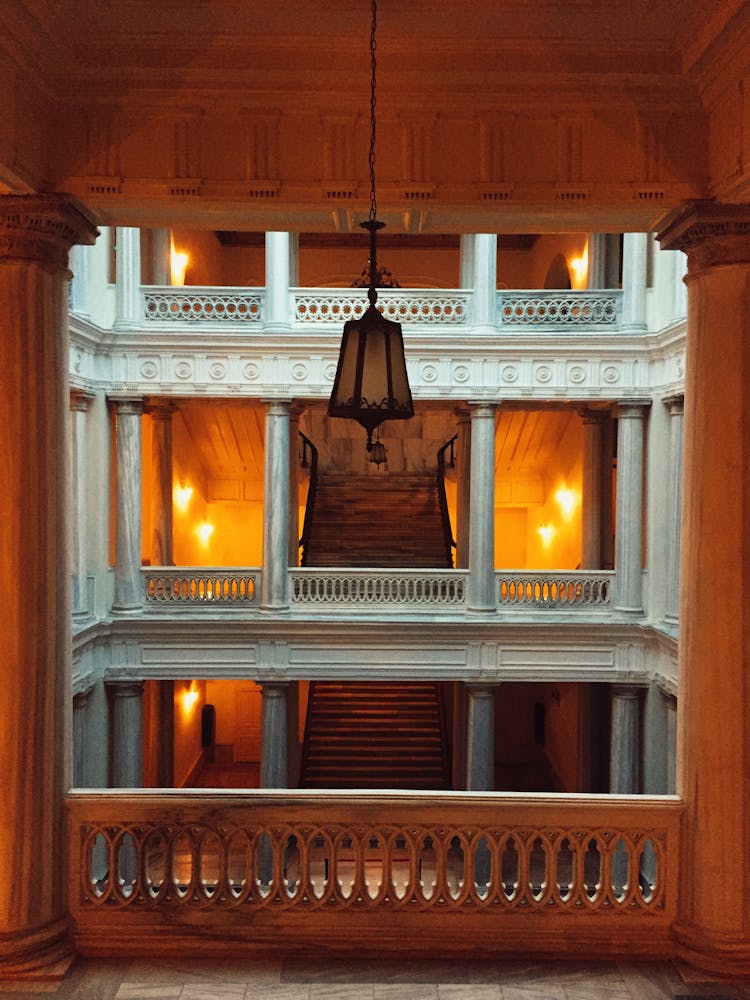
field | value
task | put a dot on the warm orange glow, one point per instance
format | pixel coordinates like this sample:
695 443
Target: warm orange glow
546 533
204 532
579 267
181 496
178 262
189 697
567 501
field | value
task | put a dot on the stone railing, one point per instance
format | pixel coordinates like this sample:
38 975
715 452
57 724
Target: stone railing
405 590
490 872
192 304
559 310
407 306
185 586
558 590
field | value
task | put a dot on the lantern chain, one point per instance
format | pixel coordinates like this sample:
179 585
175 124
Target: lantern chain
373 67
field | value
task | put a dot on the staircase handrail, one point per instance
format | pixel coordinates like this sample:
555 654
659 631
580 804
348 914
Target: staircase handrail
450 542
311 494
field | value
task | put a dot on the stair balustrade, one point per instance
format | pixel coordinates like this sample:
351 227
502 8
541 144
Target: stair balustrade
312 492
449 540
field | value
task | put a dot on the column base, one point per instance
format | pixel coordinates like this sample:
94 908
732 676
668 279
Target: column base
42 956
126 609
725 956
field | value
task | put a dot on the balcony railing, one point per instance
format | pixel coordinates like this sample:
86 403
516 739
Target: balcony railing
376 590
488 871
318 308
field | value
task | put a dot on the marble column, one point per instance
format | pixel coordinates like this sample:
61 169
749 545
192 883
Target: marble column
127 733
480 737
679 288
127 598
676 405
294 532
629 512
36 233
481 595
275 584
162 239
160 551
713 925
463 488
80 750
591 489
625 740
484 282
274 739
277 313
655 736
79 285
671 744
634 276
79 405
128 306
597 269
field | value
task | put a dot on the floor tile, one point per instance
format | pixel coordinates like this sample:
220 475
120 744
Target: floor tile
405 991
213 991
149 991
290 991
464 991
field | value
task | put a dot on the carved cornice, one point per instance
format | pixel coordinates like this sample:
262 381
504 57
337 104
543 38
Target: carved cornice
43 228
711 234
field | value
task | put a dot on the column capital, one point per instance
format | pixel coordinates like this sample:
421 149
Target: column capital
125 688
481 408
631 691
675 403
278 406
126 404
159 409
80 399
482 689
42 228
632 409
589 416
709 233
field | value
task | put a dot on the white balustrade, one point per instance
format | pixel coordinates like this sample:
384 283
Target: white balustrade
186 586
250 862
558 590
183 304
365 587
430 306
556 310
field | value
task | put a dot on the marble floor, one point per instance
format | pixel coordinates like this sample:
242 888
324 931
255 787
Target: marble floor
377 979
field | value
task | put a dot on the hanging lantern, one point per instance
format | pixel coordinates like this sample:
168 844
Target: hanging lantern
371 384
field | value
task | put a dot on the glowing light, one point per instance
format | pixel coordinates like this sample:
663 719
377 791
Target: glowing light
567 500
204 532
546 533
189 697
182 495
580 268
178 262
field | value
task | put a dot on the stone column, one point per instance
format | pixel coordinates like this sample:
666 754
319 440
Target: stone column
629 512
274 741
277 306
294 415
162 247
80 754
676 406
634 273
484 282
625 740
480 737
591 490
79 286
713 926
679 288
463 488
128 306
127 599
481 590
127 733
671 744
79 405
36 233
160 551
597 269
655 736
275 584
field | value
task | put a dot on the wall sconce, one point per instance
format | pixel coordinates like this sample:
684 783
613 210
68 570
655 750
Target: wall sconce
567 500
189 697
204 532
178 262
181 496
546 533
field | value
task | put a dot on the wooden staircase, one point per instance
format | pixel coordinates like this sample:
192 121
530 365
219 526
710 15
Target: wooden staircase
374 735
378 521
